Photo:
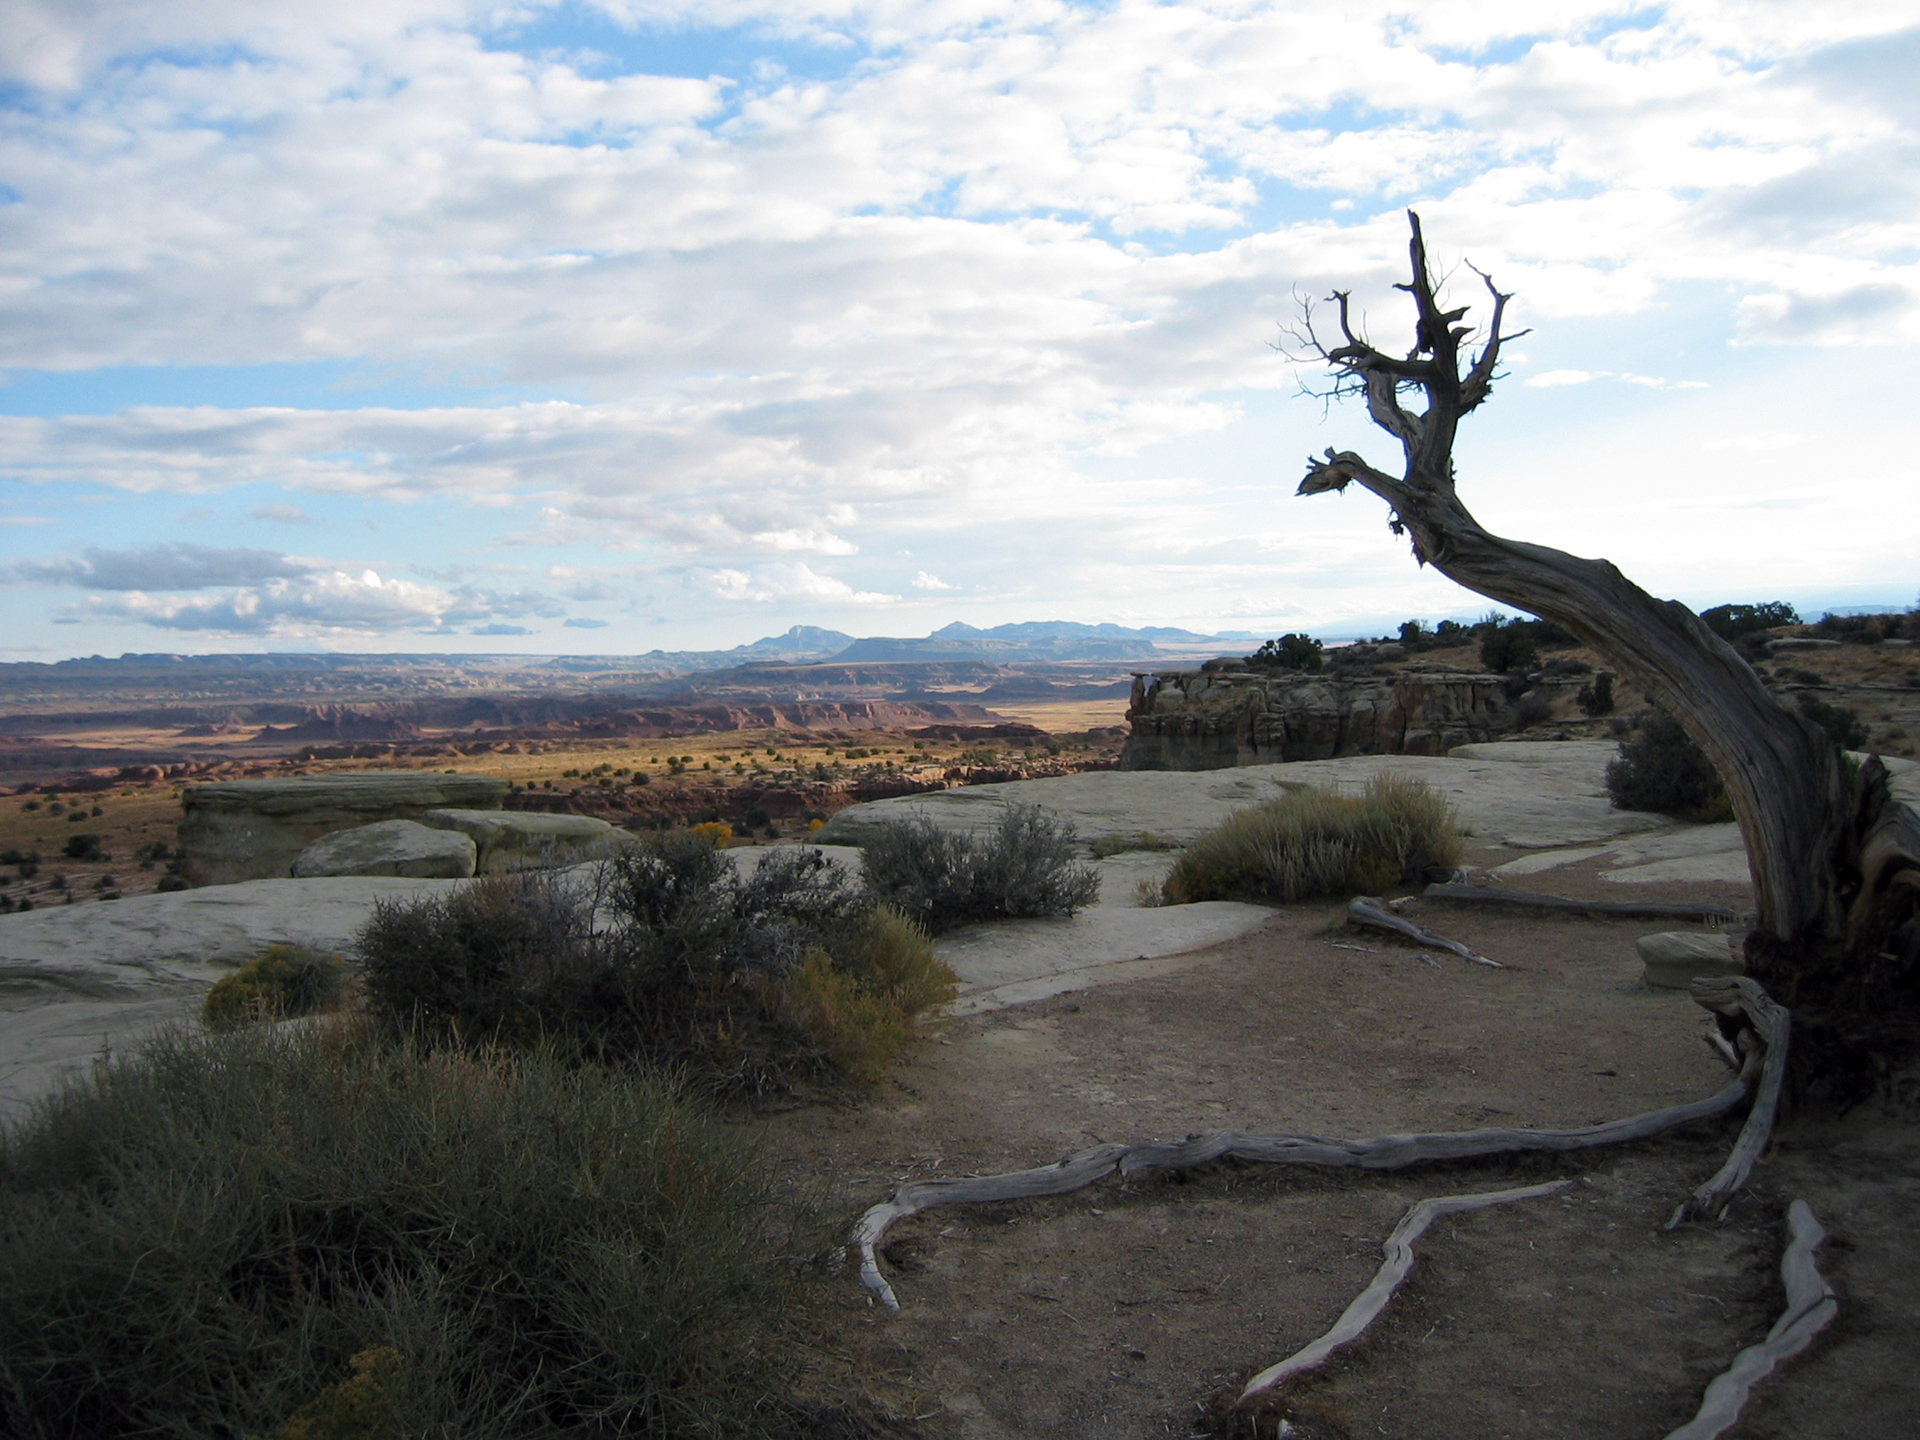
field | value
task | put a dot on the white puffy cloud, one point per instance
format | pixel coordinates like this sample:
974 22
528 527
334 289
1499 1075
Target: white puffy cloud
271 595
925 580
766 583
316 604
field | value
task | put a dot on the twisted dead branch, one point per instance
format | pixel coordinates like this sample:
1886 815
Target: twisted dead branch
1631 909
1087 1167
1367 1306
1370 910
1810 1307
1737 995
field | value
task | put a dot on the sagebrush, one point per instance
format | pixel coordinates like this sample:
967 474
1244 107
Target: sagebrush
1313 842
1024 867
272 1232
687 965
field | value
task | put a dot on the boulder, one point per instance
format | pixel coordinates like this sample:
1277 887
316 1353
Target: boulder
236 830
527 839
388 847
1675 958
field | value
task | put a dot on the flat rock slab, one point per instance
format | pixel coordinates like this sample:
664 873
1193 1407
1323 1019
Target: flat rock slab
529 839
1674 958
388 847
1542 795
130 949
236 830
1012 962
44 1045
1684 853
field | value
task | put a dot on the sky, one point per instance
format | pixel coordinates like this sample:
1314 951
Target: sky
611 325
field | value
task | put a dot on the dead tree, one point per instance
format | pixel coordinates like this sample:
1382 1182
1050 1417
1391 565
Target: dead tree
1835 864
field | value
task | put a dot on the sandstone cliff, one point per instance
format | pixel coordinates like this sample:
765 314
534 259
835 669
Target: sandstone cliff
1211 719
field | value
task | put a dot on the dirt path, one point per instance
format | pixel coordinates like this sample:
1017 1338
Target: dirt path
1124 1310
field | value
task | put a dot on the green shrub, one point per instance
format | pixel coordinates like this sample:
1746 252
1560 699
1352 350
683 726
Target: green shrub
1319 842
1289 652
1734 622
1509 647
1024 867
1596 697
1662 770
280 983
1842 722
84 846
690 972
229 1234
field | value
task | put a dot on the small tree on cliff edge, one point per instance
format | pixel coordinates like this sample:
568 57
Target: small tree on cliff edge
1835 864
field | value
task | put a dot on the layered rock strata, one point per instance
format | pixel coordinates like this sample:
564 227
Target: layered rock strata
254 829
1212 719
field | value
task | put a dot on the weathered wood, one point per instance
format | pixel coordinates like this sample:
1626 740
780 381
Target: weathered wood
1075 1172
1810 1308
1400 1152
1763 1044
1386 1152
1737 995
1632 909
1371 910
1367 1306
1783 774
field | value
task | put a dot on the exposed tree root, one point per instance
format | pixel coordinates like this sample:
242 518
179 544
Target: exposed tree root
1762 1045
1633 909
1372 911
1737 995
1810 1307
1367 1306
1385 1152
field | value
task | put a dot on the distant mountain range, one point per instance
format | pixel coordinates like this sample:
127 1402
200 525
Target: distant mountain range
1025 642
1028 640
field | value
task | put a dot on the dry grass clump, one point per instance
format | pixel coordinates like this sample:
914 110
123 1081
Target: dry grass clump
281 982
1139 842
274 1233
1024 867
1319 842
671 959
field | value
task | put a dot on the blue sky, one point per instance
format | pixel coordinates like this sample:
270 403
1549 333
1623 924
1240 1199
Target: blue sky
428 324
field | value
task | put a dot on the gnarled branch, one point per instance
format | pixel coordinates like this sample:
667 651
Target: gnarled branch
1370 1302
1737 995
1811 1306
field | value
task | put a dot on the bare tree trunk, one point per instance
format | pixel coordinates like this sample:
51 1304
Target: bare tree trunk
1836 866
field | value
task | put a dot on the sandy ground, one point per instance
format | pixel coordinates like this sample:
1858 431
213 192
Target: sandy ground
1125 1310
